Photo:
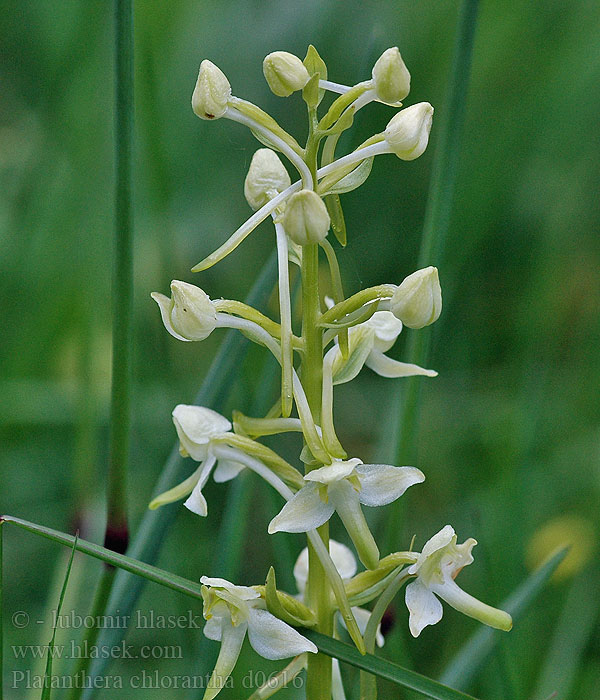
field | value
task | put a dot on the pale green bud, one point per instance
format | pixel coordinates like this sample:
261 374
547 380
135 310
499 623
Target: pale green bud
189 314
212 92
391 76
417 302
306 219
285 73
266 178
407 133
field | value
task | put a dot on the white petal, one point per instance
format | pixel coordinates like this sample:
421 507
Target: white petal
274 639
180 491
362 618
425 609
213 628
343 559
243 592
337 687
305 511
381 483
164 304
384 366
231 645
387 329
196 502
341 556
227 470
195 426
333 472
301 570
439 540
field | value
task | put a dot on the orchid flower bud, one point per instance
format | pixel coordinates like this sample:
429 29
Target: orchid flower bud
391 76
407 133
212 92
285 73
189 314
306 219
417 302
266 178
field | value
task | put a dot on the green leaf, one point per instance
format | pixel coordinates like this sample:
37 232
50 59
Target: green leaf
352 180
285 607
315 65
336 214
469 659
384 669
48 672
311 93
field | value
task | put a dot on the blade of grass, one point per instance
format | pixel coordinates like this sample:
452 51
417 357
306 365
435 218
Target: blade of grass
435 228
1 612
50 651
574 627
120 410
469 659
384 669
121 561
116 536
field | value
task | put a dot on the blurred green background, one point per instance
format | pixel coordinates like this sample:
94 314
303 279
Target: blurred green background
509 431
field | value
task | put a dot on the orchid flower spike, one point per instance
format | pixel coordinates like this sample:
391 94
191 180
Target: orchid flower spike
231 611
343 486
189 314
436 568
345 563
371 339
196 426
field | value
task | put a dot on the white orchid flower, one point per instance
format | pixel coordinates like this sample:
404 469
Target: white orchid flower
343 486
369 341
205 436
196 426
345 563
436 568
231 612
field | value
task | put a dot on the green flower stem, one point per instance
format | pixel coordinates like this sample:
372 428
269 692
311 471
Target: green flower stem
285 314
260 336
356 302
337 288
278 143
238 308
258 427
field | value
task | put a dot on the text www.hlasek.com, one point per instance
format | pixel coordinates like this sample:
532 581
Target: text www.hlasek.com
84 650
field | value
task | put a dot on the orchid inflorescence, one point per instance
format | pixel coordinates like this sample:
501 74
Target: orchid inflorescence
339 336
